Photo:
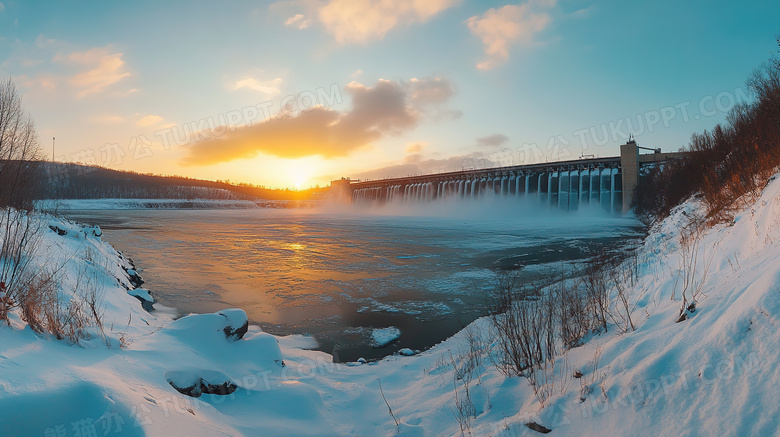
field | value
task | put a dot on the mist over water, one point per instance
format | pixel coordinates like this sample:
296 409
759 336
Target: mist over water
338 271
487 207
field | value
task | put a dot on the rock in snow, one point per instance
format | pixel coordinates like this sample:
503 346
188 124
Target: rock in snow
142 294
195 383
407 352
237 323
135 278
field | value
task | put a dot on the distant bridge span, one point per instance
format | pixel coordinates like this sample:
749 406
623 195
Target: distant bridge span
609 181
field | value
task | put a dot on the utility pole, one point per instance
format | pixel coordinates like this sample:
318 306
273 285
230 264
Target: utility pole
52 149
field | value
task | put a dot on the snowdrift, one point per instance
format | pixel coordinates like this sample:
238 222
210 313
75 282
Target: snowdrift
712 373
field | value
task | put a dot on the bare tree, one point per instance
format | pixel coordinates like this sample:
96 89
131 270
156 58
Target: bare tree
19 159
19 151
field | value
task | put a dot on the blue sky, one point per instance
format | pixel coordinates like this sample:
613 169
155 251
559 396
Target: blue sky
383 88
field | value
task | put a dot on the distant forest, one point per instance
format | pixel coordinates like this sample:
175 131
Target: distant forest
74 181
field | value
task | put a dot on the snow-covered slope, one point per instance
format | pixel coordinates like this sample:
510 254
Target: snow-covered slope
120 204
113 204
711 374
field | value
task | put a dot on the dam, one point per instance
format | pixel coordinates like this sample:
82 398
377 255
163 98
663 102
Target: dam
609 182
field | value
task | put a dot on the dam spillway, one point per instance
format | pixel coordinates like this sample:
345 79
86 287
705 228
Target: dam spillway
609 182
563 188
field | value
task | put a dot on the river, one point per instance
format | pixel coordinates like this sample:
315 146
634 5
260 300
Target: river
338 274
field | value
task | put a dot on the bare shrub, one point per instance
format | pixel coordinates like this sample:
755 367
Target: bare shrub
464 410
470 360
466 366
68 320
65 317
37 301
525 331
621 306
551 378
124 340
608 281
507 290
539 322
88 290
21 233
595 376
6 304
390 409
692 274
594 284
571 312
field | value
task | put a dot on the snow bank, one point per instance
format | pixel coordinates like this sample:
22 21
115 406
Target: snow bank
712 374
53 205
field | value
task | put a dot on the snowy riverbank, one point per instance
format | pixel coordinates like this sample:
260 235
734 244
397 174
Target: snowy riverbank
124 204
712 373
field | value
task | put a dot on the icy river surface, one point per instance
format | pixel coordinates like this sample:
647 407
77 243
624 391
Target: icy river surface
338 275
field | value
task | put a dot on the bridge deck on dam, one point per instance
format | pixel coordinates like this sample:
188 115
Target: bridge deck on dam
496 171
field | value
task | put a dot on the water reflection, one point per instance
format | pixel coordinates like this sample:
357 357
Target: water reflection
336 276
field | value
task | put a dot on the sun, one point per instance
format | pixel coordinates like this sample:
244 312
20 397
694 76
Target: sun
300 172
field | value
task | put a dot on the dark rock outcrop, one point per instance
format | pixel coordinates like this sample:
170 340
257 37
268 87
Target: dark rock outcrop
538 428
202 387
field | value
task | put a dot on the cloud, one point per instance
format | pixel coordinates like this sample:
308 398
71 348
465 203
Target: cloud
2 7
299 21
430 91
430 95
105 70
500 28
30 63
294 19
107 119
311 133
415 148
39 82
269 87
125 93
386 109
492 140
582 13
357 73
362 21
42 42
149 120
383 108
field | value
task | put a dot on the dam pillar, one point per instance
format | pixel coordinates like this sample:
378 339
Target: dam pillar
629 163
341 190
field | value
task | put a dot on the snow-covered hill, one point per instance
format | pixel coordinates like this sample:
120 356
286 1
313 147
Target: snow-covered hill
713 373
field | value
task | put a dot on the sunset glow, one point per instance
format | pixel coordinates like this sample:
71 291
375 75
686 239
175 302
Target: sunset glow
297 93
